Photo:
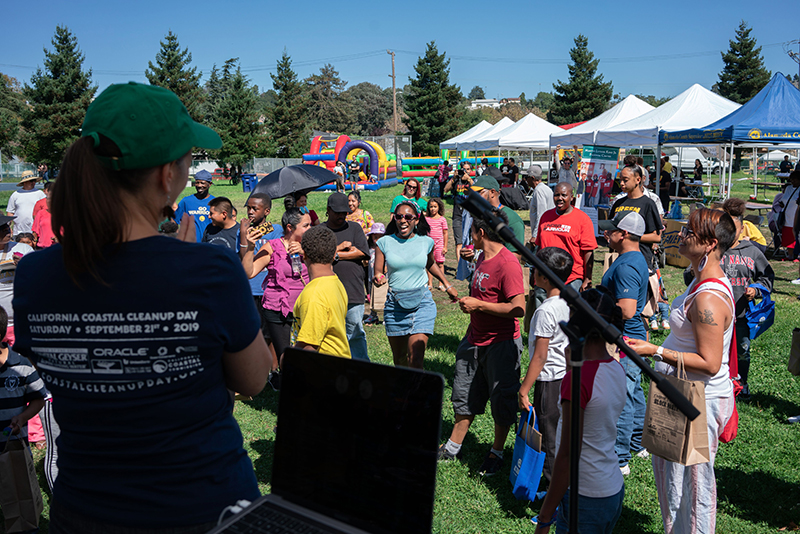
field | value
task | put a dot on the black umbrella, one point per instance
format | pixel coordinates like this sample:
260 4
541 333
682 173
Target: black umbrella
294 178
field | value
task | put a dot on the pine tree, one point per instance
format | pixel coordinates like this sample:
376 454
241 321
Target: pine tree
330 107
172 72
585 95
476 93
743 73
58 98
12 105
233 111
432 104
288 119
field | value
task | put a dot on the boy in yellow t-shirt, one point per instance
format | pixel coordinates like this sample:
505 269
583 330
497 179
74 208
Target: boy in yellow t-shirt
320 310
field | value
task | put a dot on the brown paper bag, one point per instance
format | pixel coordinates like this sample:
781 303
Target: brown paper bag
794 354
651 305
608 259
670 434
20 496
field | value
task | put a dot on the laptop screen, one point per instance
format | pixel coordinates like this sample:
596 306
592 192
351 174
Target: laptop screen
357 441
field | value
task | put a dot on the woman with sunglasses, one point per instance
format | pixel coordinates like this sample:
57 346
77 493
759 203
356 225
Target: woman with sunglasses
411 193
702 322
406 252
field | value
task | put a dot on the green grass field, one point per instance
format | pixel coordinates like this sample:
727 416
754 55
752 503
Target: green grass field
758 479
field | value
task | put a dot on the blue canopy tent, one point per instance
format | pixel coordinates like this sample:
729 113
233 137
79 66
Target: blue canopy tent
770 117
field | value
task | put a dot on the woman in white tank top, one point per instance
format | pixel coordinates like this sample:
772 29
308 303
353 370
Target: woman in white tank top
702 324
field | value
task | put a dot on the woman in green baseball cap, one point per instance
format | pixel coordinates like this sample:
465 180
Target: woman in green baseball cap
133 333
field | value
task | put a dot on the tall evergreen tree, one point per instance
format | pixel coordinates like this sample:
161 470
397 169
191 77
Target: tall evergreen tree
172 72
288 118
743 73
234 115
330 107
12 105
58 98
585 95
476 93
432 104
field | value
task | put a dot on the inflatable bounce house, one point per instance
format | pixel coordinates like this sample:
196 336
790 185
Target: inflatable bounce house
377 168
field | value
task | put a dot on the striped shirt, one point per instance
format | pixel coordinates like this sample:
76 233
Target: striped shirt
19 385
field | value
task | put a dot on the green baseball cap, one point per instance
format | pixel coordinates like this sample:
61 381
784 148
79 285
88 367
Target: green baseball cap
149 124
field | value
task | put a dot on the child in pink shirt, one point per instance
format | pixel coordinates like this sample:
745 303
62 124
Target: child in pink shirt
438 223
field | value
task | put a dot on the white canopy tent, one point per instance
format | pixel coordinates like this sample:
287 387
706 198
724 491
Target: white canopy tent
528 133
489 133
693 108
584 134
775 155
453 143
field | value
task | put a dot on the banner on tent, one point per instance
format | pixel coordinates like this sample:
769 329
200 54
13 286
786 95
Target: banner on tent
598 168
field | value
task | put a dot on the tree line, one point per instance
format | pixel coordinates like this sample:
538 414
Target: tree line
40 119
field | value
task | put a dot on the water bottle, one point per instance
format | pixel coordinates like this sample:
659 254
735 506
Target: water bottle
296 263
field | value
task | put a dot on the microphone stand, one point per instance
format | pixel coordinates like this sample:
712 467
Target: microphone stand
584 319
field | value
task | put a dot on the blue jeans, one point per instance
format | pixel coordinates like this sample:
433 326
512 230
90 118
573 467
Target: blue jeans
356 336
631 420
663 310
595 515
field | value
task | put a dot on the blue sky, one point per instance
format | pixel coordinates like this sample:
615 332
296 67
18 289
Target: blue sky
643 47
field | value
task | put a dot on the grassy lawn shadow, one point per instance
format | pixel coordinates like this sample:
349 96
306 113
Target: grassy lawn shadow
756 497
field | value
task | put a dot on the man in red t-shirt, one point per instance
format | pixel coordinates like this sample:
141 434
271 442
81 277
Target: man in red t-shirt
570 229
488 358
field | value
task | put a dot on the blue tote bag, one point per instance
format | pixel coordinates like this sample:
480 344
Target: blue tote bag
526 470
760 315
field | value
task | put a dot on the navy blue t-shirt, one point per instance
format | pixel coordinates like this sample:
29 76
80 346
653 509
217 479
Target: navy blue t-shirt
627 279
148 437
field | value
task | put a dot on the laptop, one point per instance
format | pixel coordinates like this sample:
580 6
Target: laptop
355 450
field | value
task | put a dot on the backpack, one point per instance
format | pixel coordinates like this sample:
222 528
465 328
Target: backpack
761 315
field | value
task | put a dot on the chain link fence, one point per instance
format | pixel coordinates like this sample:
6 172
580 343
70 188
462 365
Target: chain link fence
267 165
12 171
399 145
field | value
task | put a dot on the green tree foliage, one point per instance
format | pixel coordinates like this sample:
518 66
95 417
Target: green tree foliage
234 116
743 73
585 95
330 107
372 109
476 93
288 117
654 101
172 72
12 105
58 98
432 104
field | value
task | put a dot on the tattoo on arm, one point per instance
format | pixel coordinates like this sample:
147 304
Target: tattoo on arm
706 317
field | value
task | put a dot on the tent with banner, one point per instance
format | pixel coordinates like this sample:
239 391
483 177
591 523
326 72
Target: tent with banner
772 117
584 134
475 131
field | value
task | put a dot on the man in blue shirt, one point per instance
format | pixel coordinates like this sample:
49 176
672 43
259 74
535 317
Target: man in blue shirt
197 205
627 279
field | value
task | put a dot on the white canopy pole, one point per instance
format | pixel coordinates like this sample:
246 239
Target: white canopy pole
730 175
755 175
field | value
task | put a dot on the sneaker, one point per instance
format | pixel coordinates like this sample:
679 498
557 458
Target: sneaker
796 282
643 454
625 469
491 465
372 318
443 455
665 324
744 395
654 325
274 380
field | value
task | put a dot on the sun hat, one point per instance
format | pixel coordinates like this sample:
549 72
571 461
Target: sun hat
485 182
27 176
149 125
377 228
203 175
630 221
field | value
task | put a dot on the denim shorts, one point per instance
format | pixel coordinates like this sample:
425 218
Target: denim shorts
402 322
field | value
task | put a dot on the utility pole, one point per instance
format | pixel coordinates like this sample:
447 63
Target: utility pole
394 92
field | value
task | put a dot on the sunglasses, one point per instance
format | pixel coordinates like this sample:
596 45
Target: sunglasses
686 232
409 186
407 216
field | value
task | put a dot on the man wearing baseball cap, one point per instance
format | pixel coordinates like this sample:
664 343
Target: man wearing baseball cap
21 203
351 250
627 279
197 205
489 189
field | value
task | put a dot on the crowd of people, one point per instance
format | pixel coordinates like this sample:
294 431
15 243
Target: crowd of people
213 315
